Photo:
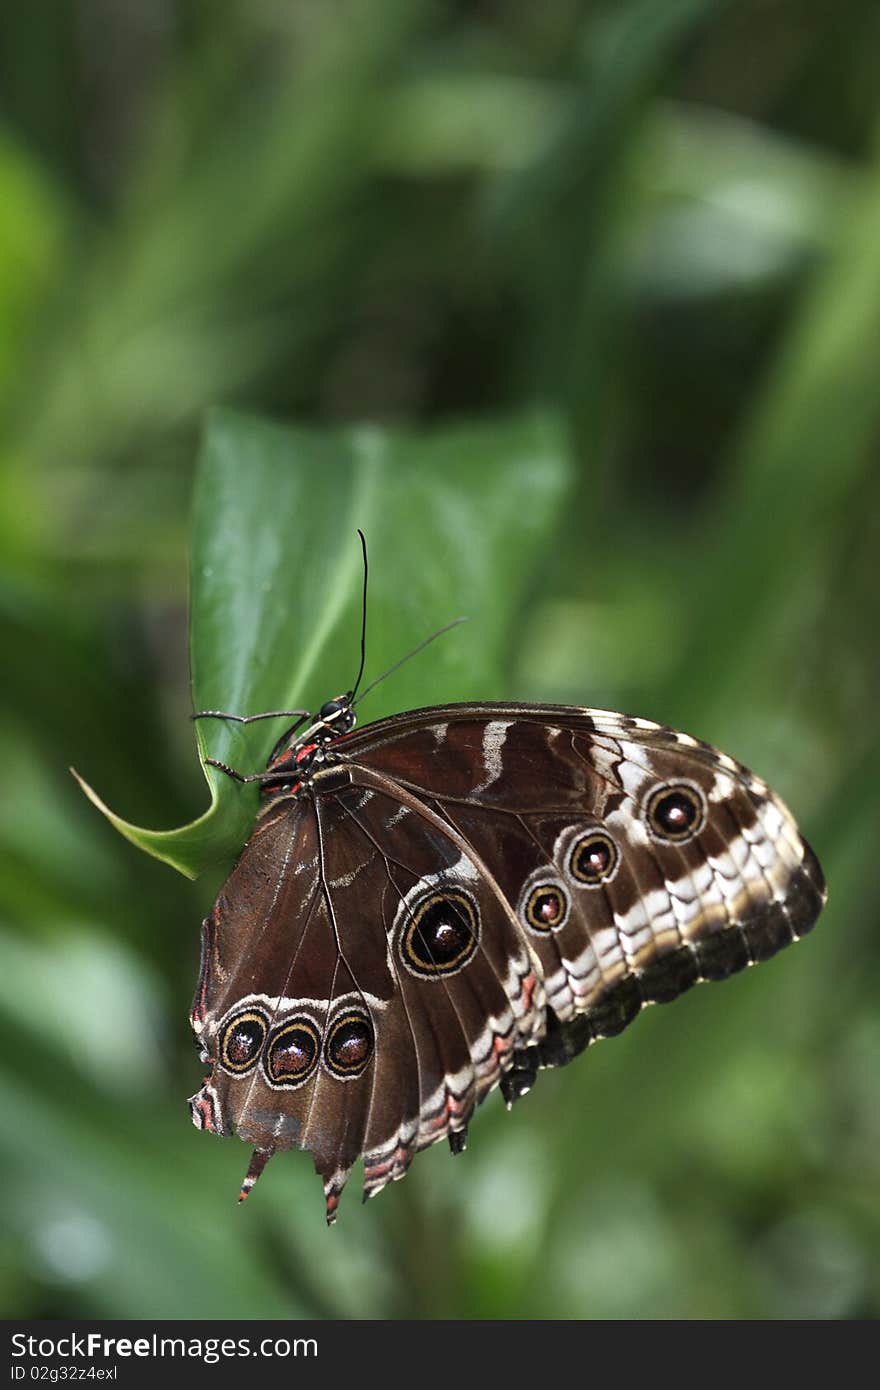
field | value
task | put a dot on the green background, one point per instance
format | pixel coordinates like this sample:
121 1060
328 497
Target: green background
576 309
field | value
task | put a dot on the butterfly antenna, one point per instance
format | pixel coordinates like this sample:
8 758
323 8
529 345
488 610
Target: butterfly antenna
456 622
360 673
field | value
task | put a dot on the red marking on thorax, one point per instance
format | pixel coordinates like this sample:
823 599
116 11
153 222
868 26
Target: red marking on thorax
288 761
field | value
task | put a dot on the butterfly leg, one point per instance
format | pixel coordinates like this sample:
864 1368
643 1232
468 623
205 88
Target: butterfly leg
231 772
299 714
241 776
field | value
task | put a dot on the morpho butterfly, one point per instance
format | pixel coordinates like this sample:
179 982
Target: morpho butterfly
450 899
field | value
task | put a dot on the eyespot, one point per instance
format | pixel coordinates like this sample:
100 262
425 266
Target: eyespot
676 812
594 858
546 907
348 1046
441 934
242 1040
292 1053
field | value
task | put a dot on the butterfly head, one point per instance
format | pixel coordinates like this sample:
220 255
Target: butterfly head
334 718
337 715
293 760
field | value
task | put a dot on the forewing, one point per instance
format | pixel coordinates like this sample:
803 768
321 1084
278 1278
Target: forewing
637 860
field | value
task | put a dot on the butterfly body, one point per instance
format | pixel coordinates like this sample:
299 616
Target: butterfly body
446 901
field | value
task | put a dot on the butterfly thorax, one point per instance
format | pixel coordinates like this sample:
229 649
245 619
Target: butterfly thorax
295 763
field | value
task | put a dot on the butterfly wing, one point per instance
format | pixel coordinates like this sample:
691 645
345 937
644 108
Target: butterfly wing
467 894
363 985
638 860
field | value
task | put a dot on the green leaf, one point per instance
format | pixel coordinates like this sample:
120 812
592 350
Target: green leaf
456 523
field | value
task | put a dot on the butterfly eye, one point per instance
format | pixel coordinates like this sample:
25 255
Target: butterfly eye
442 934
676 812
546 908
292 1053
349 1045
242 1040
338 714
593 858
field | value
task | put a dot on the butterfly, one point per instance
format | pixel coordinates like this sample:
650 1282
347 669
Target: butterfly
451 899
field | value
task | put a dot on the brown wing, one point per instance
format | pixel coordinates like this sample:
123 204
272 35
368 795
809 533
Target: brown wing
638 860
472 893
364 986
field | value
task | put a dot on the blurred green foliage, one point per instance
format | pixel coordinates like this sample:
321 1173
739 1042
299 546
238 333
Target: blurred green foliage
657 224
